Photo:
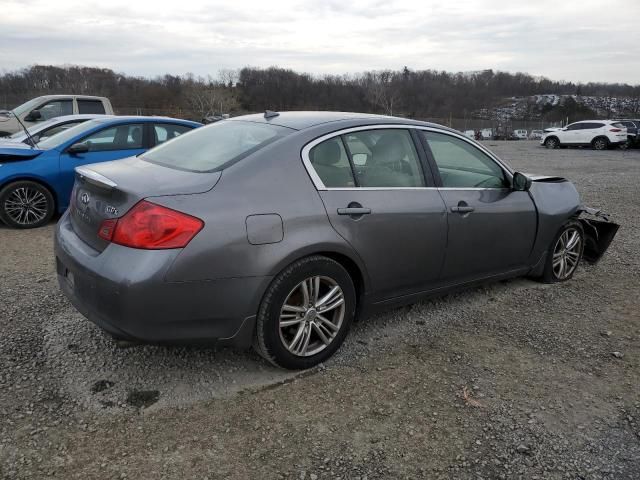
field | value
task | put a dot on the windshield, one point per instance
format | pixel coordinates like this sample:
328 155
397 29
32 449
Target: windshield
27 107
66 135
216 146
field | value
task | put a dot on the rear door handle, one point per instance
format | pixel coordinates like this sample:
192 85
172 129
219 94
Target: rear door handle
462 209
354 211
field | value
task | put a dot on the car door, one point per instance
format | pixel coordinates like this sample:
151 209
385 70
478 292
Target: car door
109 143
572 134
491 228
378 198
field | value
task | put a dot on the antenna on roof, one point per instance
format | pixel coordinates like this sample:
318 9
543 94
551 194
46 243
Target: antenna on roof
270 114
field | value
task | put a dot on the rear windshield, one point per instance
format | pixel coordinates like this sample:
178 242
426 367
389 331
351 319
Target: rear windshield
215 146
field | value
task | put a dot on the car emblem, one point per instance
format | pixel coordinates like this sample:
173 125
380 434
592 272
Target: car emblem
84 198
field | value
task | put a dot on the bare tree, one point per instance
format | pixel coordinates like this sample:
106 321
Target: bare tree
208 99
381 91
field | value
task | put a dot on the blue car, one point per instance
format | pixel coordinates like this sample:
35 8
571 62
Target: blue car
36 181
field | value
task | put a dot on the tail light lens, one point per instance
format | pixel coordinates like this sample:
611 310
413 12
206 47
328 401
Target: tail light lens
615 130
151 227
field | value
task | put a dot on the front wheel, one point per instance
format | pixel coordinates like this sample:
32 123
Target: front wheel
26 204
551 143
565 253
306 313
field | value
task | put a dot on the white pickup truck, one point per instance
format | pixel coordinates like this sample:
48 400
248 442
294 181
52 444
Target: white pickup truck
50 106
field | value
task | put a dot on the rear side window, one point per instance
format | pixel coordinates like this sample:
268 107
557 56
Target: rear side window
214 147
330 161
90 106
167 131
385 158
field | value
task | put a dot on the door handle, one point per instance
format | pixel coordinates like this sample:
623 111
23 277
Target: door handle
462 209
355 211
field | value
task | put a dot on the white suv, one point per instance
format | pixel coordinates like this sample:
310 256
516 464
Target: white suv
600 134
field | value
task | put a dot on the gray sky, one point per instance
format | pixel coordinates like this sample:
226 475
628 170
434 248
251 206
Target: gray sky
577 40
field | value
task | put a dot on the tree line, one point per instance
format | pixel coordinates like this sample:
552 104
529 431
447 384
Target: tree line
412 93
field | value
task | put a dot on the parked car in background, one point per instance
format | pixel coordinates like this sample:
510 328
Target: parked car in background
278 230
520 134
47 107
37 182
486 134
633 139
599 134
470 134
46 129
216 117
536 134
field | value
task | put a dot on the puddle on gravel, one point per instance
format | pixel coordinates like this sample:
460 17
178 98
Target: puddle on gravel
143 398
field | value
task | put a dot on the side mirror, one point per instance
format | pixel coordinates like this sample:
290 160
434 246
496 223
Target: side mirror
77 148
33 116
521 183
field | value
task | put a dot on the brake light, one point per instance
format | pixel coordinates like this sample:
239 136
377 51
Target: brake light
615 130
151 227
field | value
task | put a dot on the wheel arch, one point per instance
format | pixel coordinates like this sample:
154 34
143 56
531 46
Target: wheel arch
348 260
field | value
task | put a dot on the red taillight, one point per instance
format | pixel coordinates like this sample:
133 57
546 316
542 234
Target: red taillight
615 130
150 226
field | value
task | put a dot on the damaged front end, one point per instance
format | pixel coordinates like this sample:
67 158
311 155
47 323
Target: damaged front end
599 232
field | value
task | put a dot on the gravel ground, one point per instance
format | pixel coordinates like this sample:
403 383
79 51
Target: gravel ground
512 380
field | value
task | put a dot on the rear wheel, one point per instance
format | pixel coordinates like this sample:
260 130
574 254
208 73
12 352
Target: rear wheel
26 204
565 253
600 143
551 143
306 313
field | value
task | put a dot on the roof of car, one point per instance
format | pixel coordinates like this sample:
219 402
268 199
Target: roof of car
73 95
140 118
301 120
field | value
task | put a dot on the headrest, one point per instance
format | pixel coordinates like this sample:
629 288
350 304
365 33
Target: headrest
327 153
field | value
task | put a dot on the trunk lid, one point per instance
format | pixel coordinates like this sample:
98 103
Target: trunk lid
110 189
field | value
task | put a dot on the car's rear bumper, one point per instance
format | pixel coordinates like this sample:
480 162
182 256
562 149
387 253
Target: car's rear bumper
123 290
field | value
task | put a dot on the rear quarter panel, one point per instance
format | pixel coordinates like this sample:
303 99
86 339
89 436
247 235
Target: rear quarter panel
272 181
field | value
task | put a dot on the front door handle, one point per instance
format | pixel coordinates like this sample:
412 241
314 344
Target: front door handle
355 211
462 209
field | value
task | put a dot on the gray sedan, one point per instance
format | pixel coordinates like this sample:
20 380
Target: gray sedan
278 230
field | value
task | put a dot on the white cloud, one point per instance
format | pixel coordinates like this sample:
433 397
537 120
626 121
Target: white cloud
571 39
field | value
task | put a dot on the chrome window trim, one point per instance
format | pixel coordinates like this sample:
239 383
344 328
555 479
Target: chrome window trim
317 181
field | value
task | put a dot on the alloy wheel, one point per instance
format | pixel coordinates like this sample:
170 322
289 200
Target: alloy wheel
26 206
566 253
312 316
600 144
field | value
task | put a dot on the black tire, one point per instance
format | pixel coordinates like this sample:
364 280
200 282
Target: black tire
37 214
550 275
600 143
269 337
551 143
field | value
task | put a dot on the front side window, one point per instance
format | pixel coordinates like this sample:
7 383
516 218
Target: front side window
121 137
56 108
212 148
90 106
576 126
462 165
166 131
384 158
